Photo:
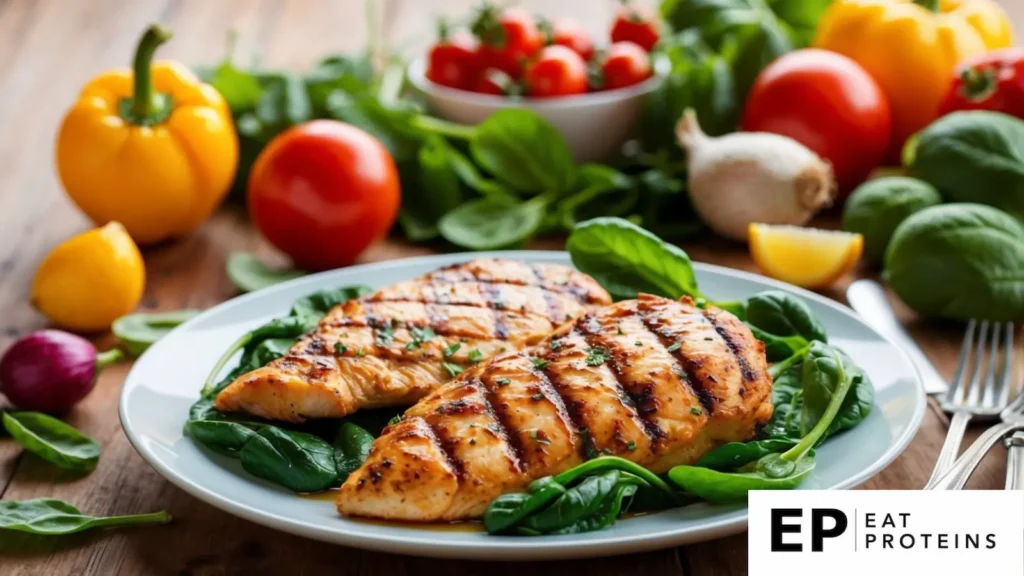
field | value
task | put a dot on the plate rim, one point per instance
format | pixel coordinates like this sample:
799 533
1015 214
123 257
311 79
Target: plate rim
506 548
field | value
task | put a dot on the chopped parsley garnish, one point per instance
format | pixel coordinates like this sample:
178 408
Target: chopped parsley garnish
631 446
556 344
502 350
679 372
395 420
539 363
453 369
588 445
696 411
708 338
675 346
475 356
537 396
597 356
340 349
419 336
385 336
535 436
503 381
451 349
360 353
638 343
606 451
618 329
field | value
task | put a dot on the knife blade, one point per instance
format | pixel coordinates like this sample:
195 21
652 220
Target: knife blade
867 298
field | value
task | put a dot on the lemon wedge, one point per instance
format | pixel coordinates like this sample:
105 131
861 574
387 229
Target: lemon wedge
807 257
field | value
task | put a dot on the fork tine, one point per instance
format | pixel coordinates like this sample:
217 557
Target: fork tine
992 386
1006 374
956 391
974 396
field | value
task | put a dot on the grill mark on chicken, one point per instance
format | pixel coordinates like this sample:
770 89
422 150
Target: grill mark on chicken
498 411
551 393
686 367
500 329
589 328
460 273
555 313
436 320
446 447
735 347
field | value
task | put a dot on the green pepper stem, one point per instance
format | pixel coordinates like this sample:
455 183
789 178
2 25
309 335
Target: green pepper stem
930 5
104 359
443 127
144 102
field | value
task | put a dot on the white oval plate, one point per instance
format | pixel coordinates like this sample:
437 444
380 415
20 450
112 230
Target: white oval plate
166 380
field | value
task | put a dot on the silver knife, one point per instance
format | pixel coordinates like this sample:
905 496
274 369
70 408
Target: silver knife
867 298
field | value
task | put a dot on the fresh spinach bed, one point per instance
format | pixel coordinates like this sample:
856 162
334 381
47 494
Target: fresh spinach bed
818 392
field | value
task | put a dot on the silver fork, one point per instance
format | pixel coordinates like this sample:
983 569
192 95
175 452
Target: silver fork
1012 416
982 396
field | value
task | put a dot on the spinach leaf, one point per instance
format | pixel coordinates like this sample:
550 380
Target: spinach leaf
627 260
778 348
351 447
137 332
736 454
52 440
772 471
296 460
437 193
525 151
249 273
587 497
877 207
223 436
959 261
783 314
490 223
973 156
317 304
51 517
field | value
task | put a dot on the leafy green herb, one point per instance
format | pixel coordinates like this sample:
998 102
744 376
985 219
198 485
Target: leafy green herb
340 349
631 446
524 151
474 356
52 440
539 363
537 396
137 332
296 460
502 381
782 314
453 369
597 356
249 273
696 410
51 517
493 222
451 349
360 353
421 335
385 336
675 346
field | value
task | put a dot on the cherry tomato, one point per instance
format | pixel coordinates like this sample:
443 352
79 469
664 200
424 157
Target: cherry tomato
635 25
453 61
494 81
557 71
625 64
828 103
572 35
322 192
507 38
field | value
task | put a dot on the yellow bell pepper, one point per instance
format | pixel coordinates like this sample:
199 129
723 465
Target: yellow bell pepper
912 48
153 147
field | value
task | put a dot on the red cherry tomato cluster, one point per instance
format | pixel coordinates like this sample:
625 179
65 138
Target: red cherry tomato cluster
510 52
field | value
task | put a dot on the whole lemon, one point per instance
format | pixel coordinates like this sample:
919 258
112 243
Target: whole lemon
90 280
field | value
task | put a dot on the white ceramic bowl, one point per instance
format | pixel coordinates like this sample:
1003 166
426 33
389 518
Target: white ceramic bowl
595 124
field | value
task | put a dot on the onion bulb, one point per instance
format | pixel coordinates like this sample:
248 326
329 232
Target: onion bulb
51 370
748 177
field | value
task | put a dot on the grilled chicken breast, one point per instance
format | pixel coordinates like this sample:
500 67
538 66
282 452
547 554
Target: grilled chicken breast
394 346
656 381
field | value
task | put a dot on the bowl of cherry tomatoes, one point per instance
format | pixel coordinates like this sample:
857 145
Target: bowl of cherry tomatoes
509 58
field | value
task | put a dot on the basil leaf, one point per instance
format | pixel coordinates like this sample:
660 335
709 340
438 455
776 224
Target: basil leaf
50 517
249 273
52 440
974 156
490 223
295 460
137 332
525 151
627 260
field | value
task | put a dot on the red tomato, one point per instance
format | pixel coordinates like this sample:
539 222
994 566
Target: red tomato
625 64
828 103
495 82
634 25
557 71
322 192
572 35
507 38
453 62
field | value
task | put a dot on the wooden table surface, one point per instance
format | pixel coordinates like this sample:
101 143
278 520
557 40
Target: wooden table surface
48 49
